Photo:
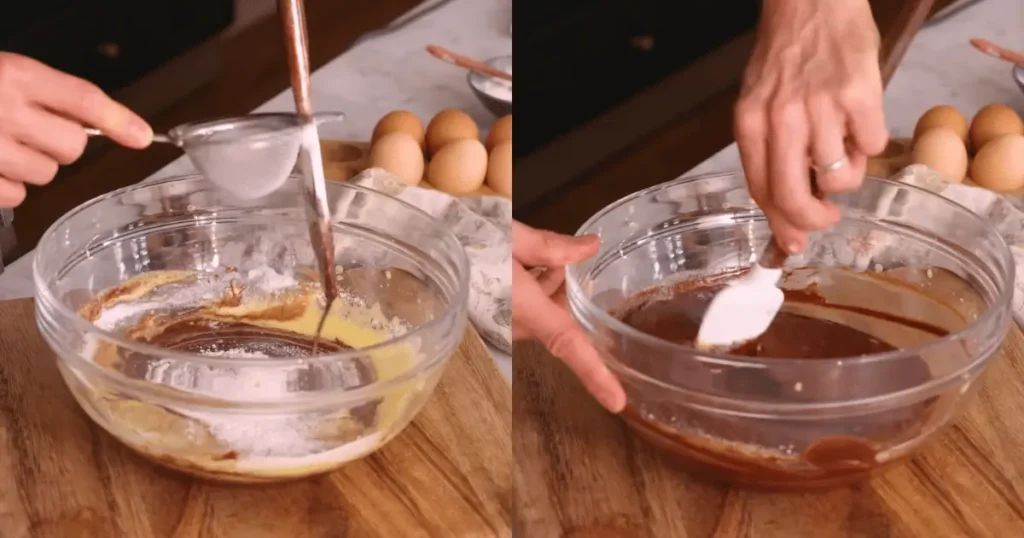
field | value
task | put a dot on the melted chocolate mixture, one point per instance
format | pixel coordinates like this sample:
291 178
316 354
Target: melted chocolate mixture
677 318
206 336
211 337
828 459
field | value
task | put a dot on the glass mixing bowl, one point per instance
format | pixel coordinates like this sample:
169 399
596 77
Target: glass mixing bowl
182 320
790 423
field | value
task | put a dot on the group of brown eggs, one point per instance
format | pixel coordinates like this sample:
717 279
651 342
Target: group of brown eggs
988 151
448 153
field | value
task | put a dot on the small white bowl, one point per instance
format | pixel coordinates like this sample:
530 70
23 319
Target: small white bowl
487 88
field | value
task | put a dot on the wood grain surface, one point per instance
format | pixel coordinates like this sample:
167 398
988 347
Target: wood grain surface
447 475
344 159
581 474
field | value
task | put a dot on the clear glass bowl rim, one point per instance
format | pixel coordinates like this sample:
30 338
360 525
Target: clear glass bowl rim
458 302
575 290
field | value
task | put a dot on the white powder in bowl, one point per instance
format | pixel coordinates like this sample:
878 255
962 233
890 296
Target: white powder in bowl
497 88
252 435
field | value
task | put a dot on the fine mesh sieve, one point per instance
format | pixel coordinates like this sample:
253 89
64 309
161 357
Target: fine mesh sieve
247 156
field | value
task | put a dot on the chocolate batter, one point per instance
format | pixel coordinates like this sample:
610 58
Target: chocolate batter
677 318
214 337
766 452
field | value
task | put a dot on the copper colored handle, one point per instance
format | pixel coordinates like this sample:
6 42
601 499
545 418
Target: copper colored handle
446 55
999 52
293 23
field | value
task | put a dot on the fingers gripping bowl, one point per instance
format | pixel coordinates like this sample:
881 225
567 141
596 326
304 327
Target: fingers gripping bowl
182 320
916 288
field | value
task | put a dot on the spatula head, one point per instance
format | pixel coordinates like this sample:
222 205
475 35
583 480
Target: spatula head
742 311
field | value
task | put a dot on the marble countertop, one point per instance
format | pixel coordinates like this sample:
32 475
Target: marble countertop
386 70
941 68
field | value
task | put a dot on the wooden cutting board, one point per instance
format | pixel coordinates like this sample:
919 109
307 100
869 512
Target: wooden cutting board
580 474
344 159
447 475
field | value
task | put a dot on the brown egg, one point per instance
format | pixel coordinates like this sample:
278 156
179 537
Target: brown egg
999 165
499 169
450 125
993 121
399 154
399 121
500 132
942 150
942 116
459 167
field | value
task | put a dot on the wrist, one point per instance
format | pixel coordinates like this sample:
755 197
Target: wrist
772 6
843 16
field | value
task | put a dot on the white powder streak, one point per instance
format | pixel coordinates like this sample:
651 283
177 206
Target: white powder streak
497 88
111 317
268 280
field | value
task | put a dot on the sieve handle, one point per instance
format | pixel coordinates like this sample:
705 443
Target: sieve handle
159 138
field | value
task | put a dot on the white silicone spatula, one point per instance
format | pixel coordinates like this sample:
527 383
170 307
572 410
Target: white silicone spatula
745 308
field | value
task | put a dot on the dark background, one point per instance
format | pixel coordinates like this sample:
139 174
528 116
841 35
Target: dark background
578 59
110 42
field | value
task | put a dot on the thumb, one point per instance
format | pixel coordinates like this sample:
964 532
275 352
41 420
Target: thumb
555 328
543 248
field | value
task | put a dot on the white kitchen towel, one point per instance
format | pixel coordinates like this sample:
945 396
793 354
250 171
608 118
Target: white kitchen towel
1004 212
483 225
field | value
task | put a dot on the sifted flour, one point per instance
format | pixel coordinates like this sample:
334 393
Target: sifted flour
497 88
286 435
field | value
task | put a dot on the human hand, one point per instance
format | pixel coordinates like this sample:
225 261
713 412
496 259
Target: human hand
42 114
539 312
812 96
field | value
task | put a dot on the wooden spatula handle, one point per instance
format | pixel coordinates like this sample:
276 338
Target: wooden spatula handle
446 55
1002 53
